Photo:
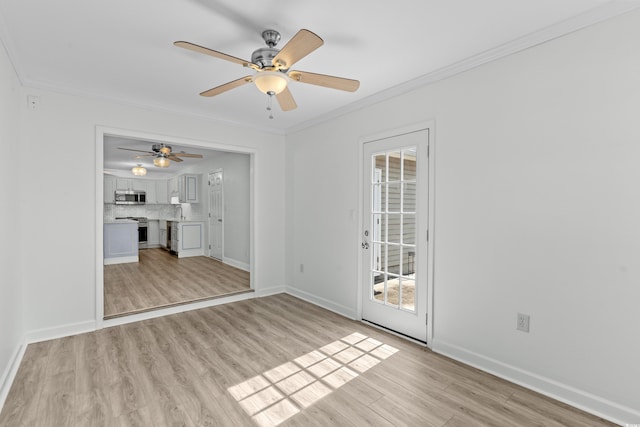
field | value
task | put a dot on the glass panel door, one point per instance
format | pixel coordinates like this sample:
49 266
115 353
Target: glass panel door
394 290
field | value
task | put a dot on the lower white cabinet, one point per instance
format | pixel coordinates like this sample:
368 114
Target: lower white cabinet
153 233
162 226
120 242
187 238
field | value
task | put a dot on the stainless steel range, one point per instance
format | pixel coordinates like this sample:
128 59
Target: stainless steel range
143 226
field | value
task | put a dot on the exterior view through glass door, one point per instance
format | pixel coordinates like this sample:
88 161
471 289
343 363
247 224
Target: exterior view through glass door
394 240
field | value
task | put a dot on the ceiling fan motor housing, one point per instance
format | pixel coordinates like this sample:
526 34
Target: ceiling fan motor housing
161 149
263 57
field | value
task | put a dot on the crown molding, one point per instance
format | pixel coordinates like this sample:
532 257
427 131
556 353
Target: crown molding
591 17
65 90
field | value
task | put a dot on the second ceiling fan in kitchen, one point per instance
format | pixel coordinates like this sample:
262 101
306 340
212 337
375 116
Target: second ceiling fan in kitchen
162 155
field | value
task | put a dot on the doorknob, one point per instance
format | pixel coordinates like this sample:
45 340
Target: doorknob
219 220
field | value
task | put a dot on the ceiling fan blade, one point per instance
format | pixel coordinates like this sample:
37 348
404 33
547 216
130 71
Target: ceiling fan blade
143 155
332 82
139 151
227 86
302 44
214 53
174 158
196 156
286 101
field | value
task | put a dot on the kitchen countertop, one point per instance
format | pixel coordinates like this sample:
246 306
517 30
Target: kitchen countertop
124 221
120 221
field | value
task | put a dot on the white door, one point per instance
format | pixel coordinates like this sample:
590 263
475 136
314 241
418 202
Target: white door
216 208
394 240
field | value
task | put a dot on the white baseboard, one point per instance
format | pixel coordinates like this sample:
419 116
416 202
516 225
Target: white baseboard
322 302
237 264
60 331
265 292
10 372
120 260
583 400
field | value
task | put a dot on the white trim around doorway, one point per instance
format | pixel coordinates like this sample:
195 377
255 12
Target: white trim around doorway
101 132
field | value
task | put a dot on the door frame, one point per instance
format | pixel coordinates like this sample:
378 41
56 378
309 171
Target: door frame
100 133
221 171
430 127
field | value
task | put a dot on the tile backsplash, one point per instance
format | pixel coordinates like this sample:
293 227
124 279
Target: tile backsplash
193 212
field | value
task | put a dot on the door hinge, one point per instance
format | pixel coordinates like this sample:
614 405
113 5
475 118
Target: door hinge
426 320
427 235
209 246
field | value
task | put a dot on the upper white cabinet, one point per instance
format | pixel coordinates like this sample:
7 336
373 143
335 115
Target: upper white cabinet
131 184
172 187
151 192
189 188
109 189
161 192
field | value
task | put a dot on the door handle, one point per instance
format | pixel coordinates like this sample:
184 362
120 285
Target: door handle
365 243
219 220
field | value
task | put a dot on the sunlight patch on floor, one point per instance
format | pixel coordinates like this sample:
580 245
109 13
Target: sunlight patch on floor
279 393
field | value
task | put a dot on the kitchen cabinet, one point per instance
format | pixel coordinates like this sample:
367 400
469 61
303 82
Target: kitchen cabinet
162 231
109 188
150 189
131 184
172 187
153 233
120 244
161 192
189 188
187 238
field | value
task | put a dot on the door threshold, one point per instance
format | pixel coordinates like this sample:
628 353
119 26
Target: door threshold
396 333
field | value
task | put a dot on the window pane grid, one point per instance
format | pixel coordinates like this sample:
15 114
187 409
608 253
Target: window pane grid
393 216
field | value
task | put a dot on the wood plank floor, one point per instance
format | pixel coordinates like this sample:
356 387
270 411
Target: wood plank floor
262 362
161 280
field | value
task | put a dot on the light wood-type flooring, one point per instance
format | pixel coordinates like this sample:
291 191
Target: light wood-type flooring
262 362
161 280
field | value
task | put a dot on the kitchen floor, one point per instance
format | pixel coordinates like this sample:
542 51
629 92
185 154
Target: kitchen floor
162 280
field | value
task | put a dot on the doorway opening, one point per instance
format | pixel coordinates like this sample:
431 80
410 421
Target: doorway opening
173 269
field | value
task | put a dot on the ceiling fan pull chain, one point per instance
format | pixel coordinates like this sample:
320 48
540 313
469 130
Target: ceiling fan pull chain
269 101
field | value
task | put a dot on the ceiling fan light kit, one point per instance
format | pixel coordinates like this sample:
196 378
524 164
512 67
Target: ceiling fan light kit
139 170
271 81
161 162
272 67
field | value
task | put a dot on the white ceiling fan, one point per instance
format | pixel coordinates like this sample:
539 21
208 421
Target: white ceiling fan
273 67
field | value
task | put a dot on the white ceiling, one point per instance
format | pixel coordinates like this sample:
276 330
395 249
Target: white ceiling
123 50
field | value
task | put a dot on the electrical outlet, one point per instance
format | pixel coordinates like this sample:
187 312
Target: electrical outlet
523 322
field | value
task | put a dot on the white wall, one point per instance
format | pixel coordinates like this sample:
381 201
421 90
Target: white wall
59 141
11 323
236 173
537 211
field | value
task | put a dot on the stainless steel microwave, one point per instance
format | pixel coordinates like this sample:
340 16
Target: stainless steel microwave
130 197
